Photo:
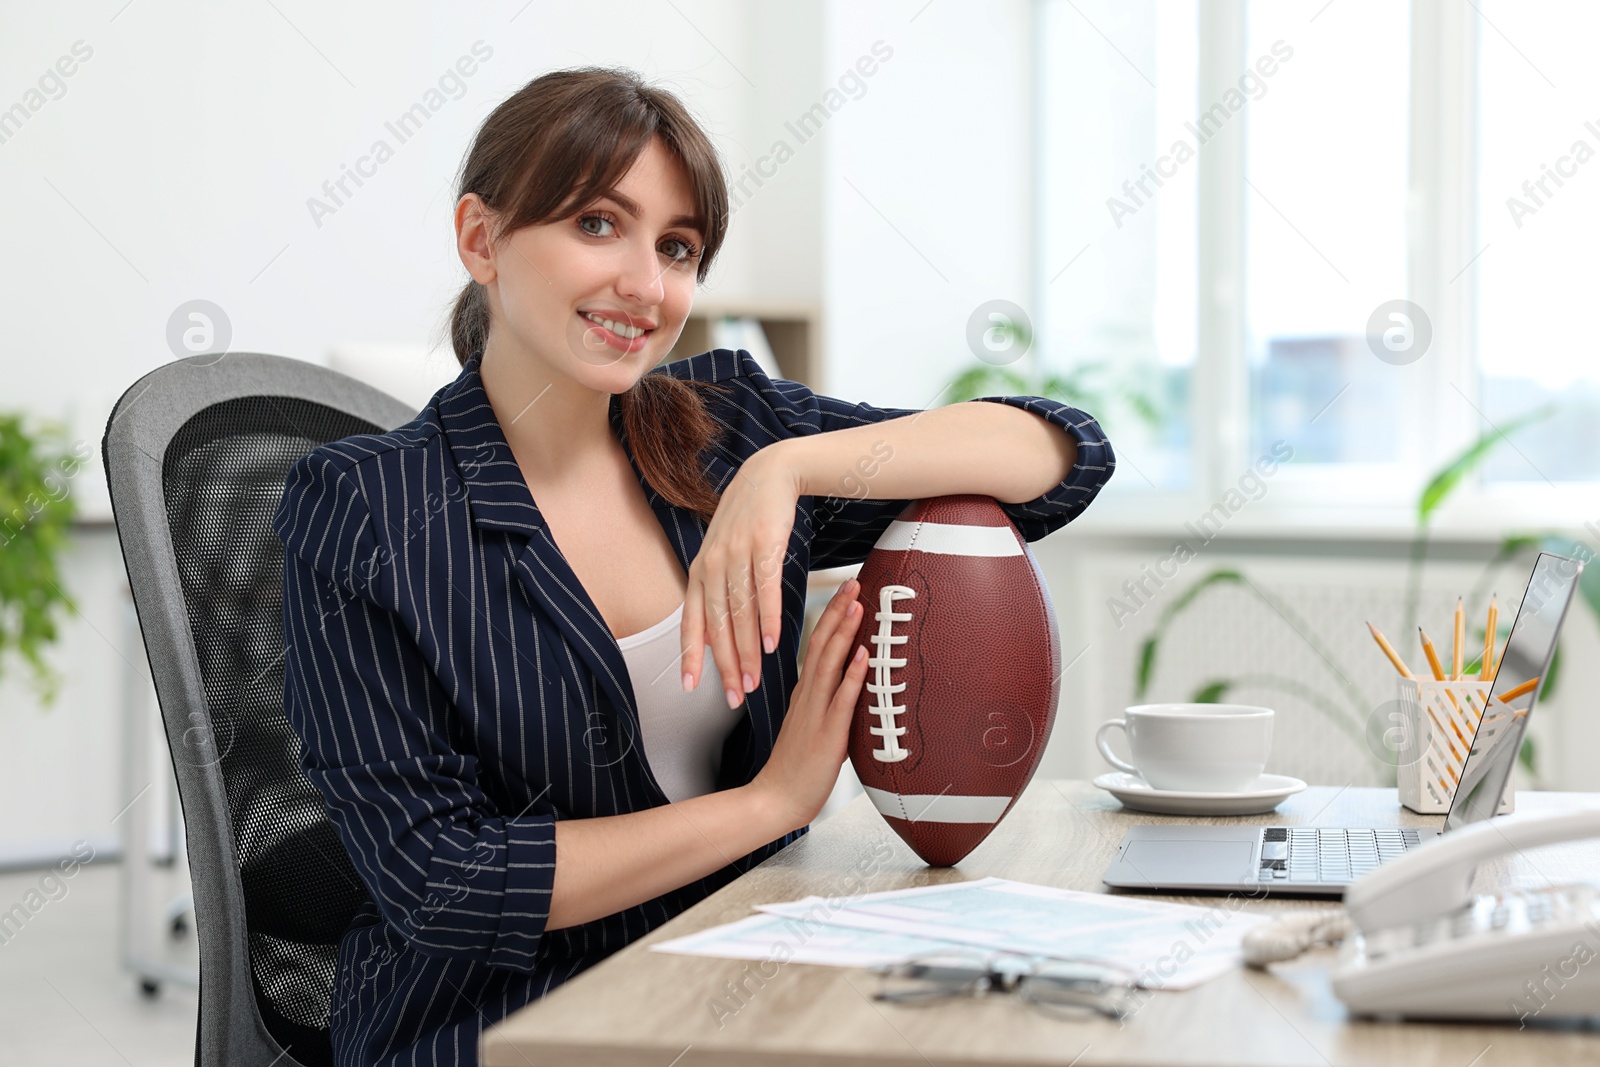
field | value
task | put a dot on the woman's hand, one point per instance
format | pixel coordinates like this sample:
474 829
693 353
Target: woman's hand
734 601
815 734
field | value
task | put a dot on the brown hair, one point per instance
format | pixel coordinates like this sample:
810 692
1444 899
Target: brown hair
545 153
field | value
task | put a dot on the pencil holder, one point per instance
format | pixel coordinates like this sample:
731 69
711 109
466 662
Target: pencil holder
1440 719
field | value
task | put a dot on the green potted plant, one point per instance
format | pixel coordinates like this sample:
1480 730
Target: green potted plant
1349 712
36 512
1096 386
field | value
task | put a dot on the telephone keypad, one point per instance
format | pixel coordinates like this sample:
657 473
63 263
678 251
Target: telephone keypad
1507 913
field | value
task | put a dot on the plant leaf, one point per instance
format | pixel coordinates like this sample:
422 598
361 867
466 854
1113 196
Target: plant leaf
1147 651
1082 397
1147 662
1589 580
37 509
1513 544
1450 475
1212 692
986 380
1148 410
1223 574
972 383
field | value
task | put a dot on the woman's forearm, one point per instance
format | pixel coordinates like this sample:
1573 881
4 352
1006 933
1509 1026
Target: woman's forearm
607 864
995 449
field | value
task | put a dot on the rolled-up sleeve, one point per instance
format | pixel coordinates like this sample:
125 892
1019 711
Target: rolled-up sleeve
846 527
456 876
1066 500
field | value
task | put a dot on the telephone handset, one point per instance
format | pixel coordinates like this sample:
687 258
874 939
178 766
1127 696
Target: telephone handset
1424 946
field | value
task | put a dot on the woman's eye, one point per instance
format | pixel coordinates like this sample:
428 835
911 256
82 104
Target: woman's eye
674 248
681 250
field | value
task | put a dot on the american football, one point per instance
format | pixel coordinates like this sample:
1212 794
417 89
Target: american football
962 676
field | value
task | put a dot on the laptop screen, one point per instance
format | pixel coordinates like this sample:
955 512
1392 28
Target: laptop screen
1526 659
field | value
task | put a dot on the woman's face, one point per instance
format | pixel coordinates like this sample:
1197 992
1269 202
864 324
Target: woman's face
602 296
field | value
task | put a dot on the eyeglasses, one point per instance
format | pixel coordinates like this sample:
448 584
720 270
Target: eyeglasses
1067 988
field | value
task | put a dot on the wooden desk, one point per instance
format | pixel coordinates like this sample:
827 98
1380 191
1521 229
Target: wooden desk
656 1009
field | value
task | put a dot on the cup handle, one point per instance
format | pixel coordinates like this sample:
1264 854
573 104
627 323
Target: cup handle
1105 749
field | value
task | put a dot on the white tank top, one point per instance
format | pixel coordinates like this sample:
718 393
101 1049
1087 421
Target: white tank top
683 732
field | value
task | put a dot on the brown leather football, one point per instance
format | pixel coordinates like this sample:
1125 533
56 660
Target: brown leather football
963 674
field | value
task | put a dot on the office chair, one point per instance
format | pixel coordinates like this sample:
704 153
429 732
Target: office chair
196 454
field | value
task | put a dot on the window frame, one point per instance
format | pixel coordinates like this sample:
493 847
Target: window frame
1441 249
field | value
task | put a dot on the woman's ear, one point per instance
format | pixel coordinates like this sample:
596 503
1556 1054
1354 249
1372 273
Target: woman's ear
475 224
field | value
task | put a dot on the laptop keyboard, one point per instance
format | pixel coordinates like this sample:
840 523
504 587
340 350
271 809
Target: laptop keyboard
1336 855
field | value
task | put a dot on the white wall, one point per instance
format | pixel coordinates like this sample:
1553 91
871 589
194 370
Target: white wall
177 164
927 191
179 160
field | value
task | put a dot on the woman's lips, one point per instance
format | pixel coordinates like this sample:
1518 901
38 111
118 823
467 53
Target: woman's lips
615 340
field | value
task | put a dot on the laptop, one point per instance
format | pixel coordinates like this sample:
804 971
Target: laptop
1321 861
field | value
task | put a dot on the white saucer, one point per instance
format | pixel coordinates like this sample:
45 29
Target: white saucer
1267 793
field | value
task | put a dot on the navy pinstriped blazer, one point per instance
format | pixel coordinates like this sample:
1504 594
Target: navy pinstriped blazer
456 692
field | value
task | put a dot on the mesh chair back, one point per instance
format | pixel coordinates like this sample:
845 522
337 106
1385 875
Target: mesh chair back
196 456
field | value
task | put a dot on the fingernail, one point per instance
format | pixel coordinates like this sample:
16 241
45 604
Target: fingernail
769 642
688 681
861 653
855 606
749 683
733 698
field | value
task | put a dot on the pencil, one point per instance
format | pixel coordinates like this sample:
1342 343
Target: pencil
1436 667
1516 691
1459 643
1487 671
1433 657
1388 650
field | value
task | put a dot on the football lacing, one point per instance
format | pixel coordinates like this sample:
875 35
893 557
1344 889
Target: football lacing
882 687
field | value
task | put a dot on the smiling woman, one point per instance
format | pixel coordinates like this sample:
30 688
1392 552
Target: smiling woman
557 148
475 692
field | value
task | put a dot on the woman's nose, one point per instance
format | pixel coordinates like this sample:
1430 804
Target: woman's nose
640 279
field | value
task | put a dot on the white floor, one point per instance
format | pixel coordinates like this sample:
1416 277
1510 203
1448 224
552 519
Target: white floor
64 995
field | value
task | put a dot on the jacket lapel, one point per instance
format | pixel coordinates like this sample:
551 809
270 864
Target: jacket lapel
498 499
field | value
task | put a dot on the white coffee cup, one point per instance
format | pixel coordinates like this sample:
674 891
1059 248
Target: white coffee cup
1196 748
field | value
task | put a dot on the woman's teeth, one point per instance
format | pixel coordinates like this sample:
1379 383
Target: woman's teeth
621 329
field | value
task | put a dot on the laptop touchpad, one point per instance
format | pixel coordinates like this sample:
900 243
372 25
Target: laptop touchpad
1190 861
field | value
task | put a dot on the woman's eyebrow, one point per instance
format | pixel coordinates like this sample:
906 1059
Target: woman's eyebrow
633 209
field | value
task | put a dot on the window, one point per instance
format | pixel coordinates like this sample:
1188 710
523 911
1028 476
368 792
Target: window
1538 207
1325 226
1351 163
1117 218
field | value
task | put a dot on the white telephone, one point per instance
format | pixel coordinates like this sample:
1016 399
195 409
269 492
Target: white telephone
1423 946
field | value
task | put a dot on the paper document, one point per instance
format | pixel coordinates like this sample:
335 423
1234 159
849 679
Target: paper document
1168 946
773 937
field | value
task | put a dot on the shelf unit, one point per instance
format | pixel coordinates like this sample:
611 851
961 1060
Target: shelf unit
793 329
